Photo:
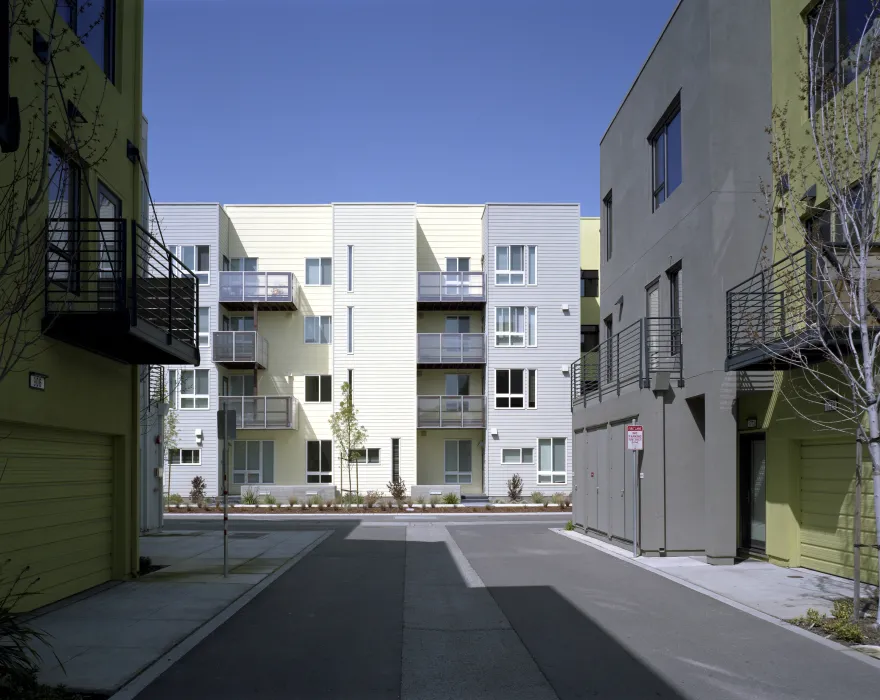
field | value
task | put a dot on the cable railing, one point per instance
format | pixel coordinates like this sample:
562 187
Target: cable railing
663 346
451 287
451 348
240 348
257 287
451 412
262 412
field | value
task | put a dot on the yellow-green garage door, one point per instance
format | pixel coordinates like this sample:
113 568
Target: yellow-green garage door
56 510
827 499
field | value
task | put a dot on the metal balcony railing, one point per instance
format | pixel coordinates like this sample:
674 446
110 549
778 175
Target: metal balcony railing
241 348
262 412
451 412
645 348
452 287
451 348
119 292
261 288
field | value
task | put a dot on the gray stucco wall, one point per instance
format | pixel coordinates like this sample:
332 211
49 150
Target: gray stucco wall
197 224
716 55
555 229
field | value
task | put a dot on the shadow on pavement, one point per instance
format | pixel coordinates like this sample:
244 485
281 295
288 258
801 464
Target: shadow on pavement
336 626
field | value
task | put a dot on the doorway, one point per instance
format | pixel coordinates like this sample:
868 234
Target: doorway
753 492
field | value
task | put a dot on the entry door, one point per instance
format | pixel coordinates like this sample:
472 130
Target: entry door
604 490
753 492
109 235
619 500
593 437
581 473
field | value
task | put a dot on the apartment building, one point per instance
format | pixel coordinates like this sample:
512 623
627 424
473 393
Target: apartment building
454 324
590 254
681 165
88 296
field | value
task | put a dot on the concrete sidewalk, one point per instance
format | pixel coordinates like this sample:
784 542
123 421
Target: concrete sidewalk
770 589
105 638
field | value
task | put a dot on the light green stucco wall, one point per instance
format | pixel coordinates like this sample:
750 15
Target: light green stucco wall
590 252
430 453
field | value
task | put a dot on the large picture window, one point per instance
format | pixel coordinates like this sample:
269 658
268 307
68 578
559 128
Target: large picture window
551 461
457 467
319 271
516 264
192 389
197 258
253 462
319 461
319 388
516 326
509 388
318 330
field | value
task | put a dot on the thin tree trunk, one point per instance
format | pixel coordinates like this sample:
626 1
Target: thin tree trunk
857 529
874 449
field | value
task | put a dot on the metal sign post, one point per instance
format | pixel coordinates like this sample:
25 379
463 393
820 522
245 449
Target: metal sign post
635 441
226 432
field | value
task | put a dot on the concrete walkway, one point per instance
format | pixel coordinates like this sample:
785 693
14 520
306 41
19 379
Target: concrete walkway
105 638
773 590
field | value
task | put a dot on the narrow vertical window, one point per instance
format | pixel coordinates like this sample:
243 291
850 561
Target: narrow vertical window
350 329
395 460
609 225
533 264
533 326
350 267
172 388
533 388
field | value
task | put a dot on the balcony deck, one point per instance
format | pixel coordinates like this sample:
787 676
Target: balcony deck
451 290
119 294
451 412
268 291
451 350
240 350
263 412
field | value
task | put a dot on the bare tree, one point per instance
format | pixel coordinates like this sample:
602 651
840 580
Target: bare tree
350 437
39 182
814 307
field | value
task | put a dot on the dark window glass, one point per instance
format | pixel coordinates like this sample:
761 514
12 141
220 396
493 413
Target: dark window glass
395 459
516 381
589 283
326 387
589 337
204 257
666 154
312 388
326 456
94 22
502 381
609 225
313 456
673 154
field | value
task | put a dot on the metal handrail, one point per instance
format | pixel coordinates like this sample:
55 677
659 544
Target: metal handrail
613 364
240 346
266 412
663 349
257 286
441 411
451 347
451 286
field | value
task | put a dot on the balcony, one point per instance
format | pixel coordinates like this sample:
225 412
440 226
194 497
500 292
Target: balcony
462 350
451 290
262 412
793 312
119 294
645 354
451 412
268 291
240 350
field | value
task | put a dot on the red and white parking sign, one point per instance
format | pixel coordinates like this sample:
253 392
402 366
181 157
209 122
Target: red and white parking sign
634 437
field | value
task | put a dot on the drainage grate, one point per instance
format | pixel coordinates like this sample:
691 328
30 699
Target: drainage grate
246 535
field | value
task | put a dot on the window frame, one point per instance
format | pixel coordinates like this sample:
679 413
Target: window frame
531 396
395 460
662 131
195 396
595 327
180 451
608 211
350 279
591 277
350 329
260 473
519 450
531 256
206 333
321 282
242 264
458 473
320 473
530 323
509 271
322 387
320 322
242 379
552 471
108 62
177 251
65 248
509 394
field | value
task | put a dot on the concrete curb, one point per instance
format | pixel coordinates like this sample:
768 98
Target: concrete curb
628 557
329 514
183 647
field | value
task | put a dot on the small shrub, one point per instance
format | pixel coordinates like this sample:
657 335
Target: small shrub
397 489
353 499
567 501
271 500
558 499
19 656
569 526
421 501
197 491
372 498
840 625
292 501
537 497
451 498
383 506
175 499
514 488
488 506
250 498
317 500
434 501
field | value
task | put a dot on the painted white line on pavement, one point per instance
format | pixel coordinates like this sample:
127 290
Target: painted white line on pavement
176 653
628 557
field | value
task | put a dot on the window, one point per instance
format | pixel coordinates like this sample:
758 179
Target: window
458 384
204 326
666 149
193 389
253 462
518 455
533 265
533 388
458 264
62 255
351 383
551 461
834 31
94 22
510 264
197 258
609 225
372 456
457 462
350 329
457 324
510 326
589 337
318 329
243 264
225 387
395 460
241 385
609 351
319 461
319 388
243 322
350 268
674 276
184 457
589 284
318 271
509 389
225 264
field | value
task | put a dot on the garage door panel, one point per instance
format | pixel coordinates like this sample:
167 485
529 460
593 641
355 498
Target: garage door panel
827 507
56 509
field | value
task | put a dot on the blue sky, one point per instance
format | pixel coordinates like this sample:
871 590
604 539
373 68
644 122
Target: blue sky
387 100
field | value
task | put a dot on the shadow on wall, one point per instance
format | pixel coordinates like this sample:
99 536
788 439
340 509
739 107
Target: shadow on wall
420 631
425 262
